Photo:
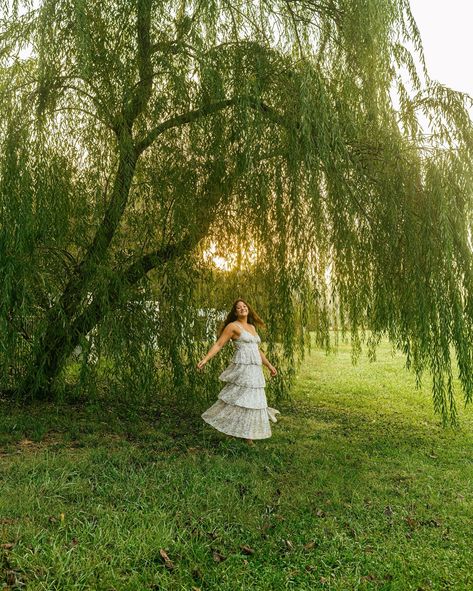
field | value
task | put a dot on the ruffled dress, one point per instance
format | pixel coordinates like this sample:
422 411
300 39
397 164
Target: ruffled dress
242 409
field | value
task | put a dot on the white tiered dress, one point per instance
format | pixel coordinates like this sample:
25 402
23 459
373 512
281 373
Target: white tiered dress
242 409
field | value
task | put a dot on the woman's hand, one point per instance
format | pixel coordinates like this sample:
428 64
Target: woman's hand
273 371
201 364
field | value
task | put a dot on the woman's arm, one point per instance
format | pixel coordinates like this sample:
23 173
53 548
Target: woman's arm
227 334
272 370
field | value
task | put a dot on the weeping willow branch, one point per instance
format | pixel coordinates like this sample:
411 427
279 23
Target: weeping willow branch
143 90
207 110
95 312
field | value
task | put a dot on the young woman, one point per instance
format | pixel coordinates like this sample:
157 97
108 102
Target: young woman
241 409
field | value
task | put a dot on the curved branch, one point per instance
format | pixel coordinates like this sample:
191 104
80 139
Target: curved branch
294 24
92 315
108 121
207 110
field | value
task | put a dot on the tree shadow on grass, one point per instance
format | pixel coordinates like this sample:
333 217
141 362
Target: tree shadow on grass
170 426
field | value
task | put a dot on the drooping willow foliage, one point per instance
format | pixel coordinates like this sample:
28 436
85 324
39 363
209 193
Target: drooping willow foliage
303 138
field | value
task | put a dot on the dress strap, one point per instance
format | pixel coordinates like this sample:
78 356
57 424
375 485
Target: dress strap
244 329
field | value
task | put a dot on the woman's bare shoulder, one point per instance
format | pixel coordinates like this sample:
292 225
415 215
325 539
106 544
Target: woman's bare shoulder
232 327
234 330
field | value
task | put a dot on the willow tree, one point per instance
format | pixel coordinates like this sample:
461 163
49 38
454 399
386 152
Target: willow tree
134 133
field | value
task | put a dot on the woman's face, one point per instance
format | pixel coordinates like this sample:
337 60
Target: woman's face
241 309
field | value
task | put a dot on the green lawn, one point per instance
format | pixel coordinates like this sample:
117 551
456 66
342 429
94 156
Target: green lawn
359 488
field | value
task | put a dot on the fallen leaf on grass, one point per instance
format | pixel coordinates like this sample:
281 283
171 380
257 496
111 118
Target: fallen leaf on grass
412 523
294 572
247 550
369 577
167 562
218 557
7 546
309 545
388 510
320 513
289 545
309 568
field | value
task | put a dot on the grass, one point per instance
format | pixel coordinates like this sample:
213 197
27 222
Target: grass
359 488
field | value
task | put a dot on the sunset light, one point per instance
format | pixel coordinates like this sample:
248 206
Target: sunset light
230 260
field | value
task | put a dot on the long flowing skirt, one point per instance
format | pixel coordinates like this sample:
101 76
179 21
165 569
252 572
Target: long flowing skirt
242 409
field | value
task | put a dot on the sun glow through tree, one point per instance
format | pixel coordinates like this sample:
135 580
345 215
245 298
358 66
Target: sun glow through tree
230 260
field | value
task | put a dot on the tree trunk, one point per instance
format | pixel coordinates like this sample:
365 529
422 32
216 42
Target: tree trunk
56 340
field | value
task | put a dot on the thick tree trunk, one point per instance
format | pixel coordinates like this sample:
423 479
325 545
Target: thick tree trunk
54 346
60 338
62 334
56 340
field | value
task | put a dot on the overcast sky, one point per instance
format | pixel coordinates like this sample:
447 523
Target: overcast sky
445 28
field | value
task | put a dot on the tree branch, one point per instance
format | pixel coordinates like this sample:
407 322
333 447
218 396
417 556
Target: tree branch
145 85
207 110
218 186
92 315
294 23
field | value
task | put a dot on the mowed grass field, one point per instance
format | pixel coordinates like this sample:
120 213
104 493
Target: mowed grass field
360 487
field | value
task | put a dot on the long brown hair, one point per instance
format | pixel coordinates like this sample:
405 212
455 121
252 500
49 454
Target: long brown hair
253 317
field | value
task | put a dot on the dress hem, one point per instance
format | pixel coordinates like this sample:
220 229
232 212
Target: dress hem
227 431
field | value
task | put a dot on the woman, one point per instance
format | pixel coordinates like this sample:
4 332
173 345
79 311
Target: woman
241 409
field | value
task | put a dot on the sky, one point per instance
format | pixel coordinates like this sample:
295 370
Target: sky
445 29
